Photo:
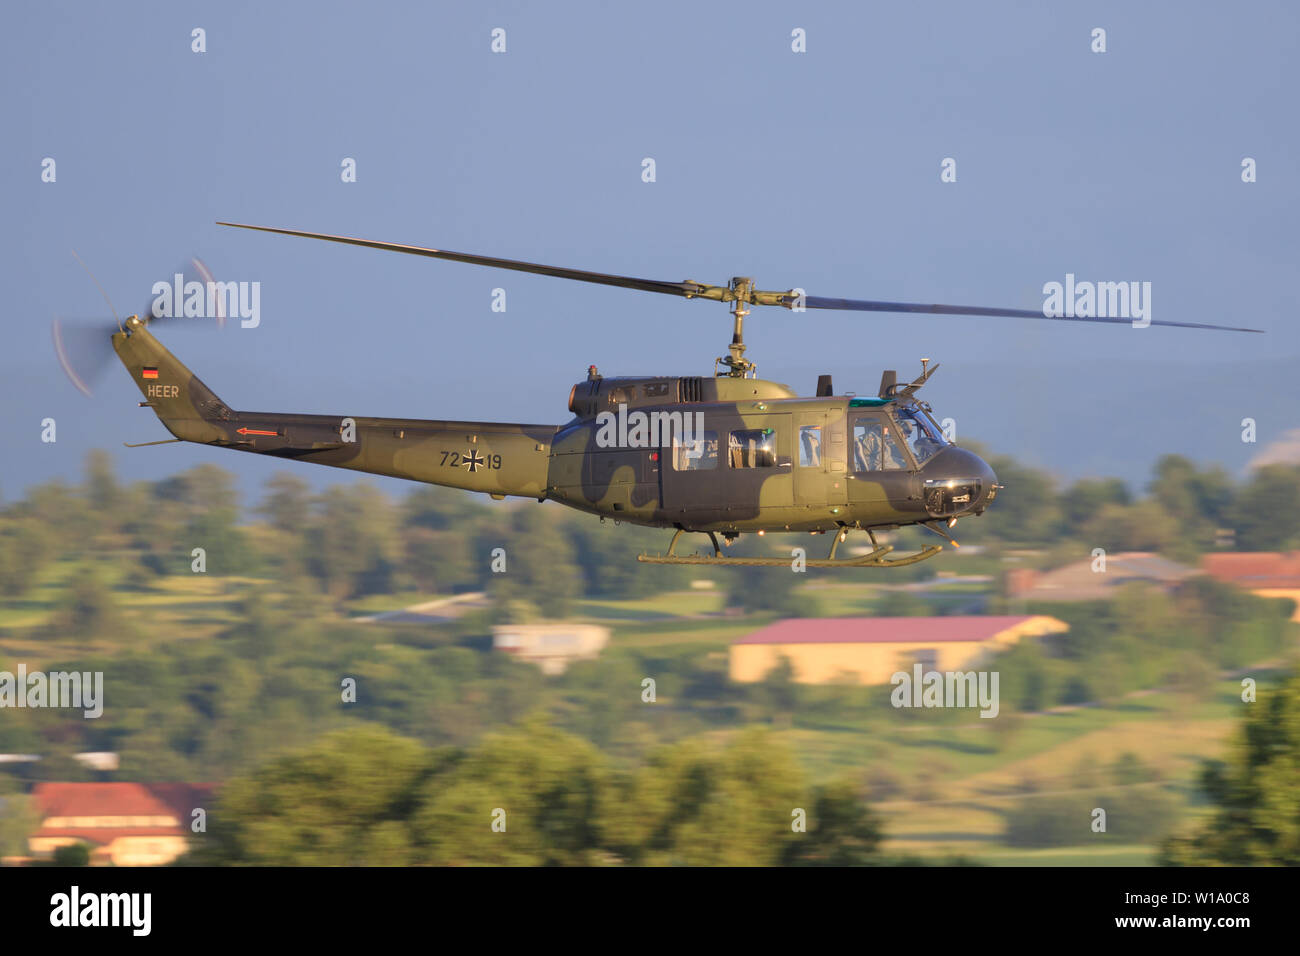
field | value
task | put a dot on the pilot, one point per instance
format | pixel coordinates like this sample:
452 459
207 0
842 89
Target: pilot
866 448
812 454
738 450
893 456
925 446
859 454
876 451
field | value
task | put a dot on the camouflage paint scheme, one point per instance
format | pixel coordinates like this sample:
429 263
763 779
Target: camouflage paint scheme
566 463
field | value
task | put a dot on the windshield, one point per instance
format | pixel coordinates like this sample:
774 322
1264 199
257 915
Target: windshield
921 433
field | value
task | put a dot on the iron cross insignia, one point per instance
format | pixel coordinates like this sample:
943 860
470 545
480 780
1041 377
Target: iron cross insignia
473 461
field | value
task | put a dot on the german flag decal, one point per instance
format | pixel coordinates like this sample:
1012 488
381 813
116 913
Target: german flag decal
149 371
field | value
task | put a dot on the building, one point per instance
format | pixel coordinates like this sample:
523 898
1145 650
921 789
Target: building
870 650
1080 581
1265 573
103 760
552 647
125 824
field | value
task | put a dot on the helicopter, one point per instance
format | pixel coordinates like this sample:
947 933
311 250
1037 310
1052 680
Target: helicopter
721 455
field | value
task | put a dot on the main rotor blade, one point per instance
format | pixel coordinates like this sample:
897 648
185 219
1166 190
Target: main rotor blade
689 289
868 305
685 289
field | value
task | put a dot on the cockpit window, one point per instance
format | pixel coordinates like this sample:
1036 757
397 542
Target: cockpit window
752 448
920 433
698 455
874 446
810 446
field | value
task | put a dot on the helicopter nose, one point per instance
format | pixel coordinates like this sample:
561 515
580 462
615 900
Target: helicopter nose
957 482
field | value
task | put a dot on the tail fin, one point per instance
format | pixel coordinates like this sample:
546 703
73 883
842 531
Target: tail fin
186 406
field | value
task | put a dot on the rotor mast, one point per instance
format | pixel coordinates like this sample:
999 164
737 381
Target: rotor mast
741 289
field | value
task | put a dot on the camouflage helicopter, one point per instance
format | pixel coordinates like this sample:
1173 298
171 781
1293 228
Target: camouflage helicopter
723 455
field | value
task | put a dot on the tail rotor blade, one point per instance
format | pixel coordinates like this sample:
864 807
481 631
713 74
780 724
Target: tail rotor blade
194 270
84 349
99 287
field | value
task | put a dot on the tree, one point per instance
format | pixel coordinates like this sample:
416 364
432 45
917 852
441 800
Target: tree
842 830
1143 526
345 801
88 610
529 796
198 508
225 550
352 541
1028 510
437 561
60 515
779 692
540 566
200 488
1087 496
440 509
1255 793
23 553
780 590
1191 496
17 819
72 854
101 487
1267 511
607 556
692 805
287 504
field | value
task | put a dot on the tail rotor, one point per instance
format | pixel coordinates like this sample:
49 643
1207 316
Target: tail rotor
84 347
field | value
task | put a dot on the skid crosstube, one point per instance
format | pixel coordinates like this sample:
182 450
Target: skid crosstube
873 559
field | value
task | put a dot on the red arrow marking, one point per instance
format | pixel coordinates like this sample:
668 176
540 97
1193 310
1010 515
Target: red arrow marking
254 431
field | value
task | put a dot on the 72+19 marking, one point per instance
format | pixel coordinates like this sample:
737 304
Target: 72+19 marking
473 461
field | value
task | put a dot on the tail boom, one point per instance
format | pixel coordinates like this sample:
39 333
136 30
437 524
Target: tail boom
497 458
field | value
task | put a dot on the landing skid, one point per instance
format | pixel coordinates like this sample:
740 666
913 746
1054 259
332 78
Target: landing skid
873 559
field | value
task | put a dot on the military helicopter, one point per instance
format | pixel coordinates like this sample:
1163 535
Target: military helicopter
723 455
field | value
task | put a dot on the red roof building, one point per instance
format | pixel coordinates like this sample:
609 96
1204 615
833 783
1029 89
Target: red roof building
126 824
1085 581
1262 569
1266 573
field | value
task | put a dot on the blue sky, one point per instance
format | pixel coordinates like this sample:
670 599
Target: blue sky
818 170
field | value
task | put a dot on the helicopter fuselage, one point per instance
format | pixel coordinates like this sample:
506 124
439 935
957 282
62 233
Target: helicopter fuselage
721 454
751 455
